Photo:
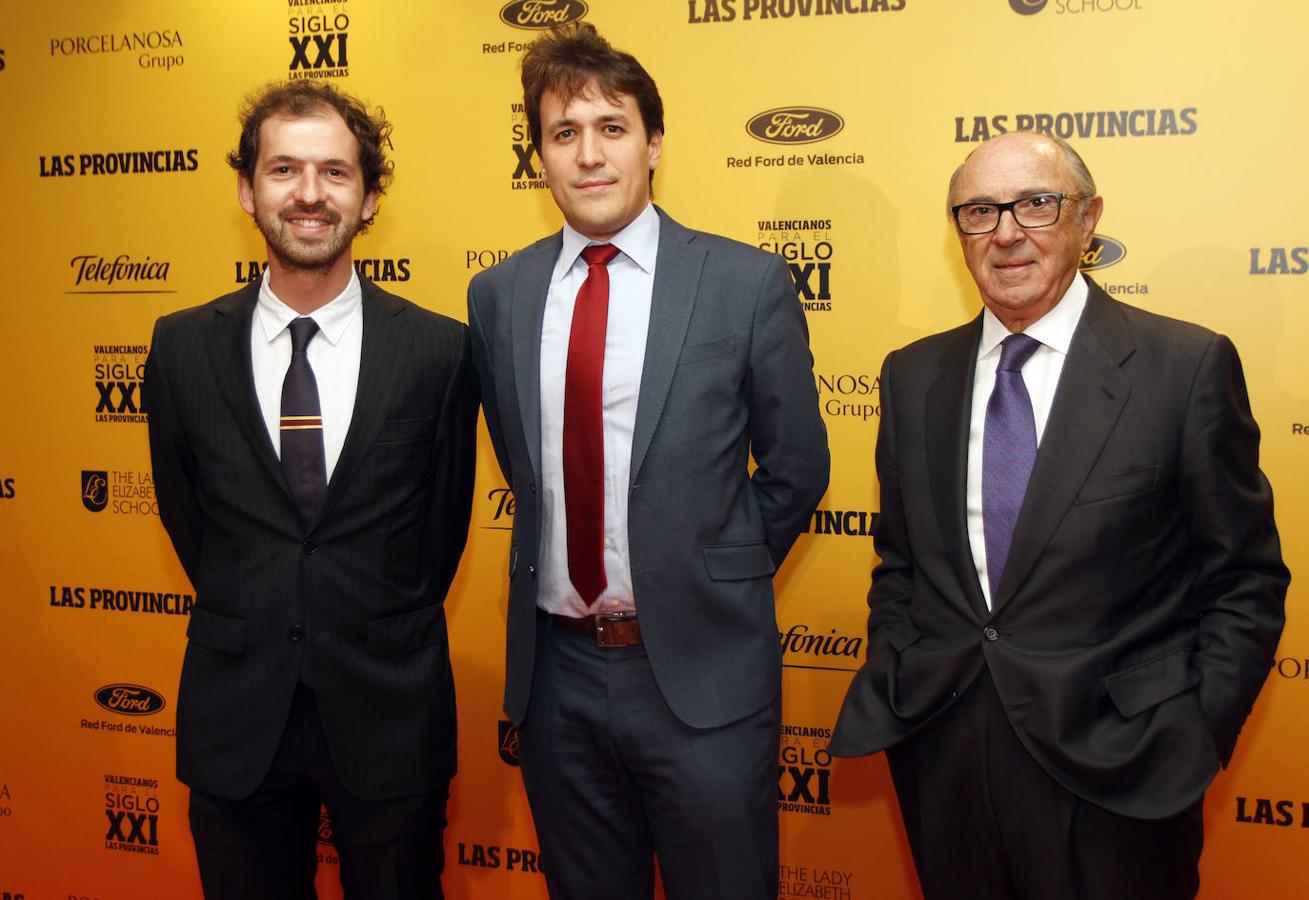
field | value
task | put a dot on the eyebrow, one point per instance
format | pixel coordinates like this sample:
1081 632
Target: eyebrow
286 158
605 119
991 198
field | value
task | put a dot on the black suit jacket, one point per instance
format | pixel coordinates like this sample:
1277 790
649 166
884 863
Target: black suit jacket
365 580
1143 595
727 376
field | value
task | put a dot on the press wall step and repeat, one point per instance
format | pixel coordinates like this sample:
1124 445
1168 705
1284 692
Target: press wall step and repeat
821 130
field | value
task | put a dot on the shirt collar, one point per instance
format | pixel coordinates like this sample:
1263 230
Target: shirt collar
1054 329
332 318
639 242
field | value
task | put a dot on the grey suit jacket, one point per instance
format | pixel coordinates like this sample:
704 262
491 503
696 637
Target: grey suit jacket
359 588
1141 604
728 375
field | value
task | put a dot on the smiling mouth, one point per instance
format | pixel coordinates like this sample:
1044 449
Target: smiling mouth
309 225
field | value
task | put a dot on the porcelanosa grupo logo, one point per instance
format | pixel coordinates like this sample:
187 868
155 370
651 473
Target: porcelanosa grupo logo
129 699
795 125
1103 253
538 15
1027 7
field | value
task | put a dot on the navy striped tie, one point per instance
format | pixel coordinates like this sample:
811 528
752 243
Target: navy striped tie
302 423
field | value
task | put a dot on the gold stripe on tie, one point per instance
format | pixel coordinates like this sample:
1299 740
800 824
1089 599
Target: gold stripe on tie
301 423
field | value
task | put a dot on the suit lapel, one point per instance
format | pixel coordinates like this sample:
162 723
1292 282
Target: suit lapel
948 413
676 283
1090 397
385 347
530 290
230 361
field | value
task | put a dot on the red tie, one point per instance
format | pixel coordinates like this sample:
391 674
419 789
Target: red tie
584 502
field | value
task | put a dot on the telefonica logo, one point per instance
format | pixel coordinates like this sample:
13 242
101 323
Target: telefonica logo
1027 7
795 125
129 699
1103 253
539 15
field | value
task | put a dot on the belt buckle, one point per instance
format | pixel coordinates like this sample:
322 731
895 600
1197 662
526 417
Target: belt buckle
616 629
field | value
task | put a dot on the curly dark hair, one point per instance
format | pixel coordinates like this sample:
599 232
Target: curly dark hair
305 97
568 58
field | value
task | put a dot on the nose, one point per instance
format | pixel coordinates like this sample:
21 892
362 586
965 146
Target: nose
307 189
589 151
1007 231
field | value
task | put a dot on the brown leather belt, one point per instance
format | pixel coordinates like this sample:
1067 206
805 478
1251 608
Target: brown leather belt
608 629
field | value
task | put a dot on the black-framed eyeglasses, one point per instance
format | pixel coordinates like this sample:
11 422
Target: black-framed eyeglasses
1036 211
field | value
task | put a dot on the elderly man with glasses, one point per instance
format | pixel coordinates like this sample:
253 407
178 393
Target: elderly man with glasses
1080 586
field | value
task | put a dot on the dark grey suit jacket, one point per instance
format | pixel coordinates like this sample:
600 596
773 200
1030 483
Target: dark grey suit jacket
365 579
728 375
1143 597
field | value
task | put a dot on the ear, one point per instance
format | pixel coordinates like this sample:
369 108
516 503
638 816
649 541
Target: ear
245 193
370 206
656 148
1092 218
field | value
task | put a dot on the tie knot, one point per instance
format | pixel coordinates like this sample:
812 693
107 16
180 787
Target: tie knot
302 331
1017 350
599 254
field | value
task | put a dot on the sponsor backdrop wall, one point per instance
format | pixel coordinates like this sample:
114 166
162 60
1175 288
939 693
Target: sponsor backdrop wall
823 130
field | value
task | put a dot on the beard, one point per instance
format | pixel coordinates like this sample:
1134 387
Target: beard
306 256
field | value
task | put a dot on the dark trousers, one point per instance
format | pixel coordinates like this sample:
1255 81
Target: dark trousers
615 779
264 847
985 821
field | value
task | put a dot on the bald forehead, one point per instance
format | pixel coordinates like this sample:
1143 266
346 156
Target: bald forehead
1009 166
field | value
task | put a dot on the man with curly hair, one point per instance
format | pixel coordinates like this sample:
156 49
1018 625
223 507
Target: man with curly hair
313 441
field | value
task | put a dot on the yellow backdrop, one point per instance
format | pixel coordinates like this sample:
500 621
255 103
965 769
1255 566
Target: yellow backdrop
119 208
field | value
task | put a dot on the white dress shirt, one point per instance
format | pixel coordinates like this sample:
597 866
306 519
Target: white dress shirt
631 287
1041 376
333 355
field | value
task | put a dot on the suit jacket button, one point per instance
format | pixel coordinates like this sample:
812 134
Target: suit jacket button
295 632
990 633
309 547
531 570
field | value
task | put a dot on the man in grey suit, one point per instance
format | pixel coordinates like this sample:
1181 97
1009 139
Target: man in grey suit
1081 587
630 369
313 440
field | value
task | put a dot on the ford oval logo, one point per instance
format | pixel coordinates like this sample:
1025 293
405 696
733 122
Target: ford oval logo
795 125
1104 252
130 699
539 15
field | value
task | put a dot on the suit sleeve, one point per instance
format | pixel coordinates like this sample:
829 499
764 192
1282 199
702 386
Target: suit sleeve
172 460
893 576
787 437
454 461
486 377
869 713
1240 590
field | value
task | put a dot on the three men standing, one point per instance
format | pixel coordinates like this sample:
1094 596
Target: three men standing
1081 585
630 370
313 442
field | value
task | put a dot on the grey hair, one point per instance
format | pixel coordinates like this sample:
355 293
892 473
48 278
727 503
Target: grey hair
1081 174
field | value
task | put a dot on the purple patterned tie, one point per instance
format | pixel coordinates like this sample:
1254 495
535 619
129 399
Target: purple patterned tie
1008 452
302 423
